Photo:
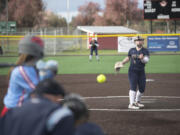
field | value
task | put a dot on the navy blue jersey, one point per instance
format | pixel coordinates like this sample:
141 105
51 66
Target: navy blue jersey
94 44
135 62
89 128
38 116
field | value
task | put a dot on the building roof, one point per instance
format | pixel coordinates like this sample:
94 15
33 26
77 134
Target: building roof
107 30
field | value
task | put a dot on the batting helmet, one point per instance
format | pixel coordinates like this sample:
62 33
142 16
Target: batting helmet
76 104
32 45
139 38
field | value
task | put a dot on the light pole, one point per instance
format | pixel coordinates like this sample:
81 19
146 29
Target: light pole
67 16
7 18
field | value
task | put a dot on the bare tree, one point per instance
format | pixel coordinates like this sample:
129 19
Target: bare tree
2 5
119 12
27 13
53 20
87 14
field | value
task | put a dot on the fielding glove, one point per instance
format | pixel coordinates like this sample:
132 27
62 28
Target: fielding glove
118 65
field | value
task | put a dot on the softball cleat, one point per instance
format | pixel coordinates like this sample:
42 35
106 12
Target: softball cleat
133 106
139 105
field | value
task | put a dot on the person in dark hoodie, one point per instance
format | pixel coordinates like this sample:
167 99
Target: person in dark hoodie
81 115
42 114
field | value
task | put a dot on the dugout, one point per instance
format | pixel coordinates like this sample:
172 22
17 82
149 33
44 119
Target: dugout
106 43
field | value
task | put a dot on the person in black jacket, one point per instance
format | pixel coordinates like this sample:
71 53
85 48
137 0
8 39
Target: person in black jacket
42 114
81 115
1 50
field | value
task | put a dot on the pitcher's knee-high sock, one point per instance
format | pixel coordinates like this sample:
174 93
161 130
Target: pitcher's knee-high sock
90 57
97 57
132 96
138 96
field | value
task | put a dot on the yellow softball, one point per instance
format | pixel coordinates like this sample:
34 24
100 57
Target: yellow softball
101 78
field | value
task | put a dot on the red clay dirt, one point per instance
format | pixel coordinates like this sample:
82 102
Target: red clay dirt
108 103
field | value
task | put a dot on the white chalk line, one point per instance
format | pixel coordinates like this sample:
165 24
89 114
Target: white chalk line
148 101
101 97
137 110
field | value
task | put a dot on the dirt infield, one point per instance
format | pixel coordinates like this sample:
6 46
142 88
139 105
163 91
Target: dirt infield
108 103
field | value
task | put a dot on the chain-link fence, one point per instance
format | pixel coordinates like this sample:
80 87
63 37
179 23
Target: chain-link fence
157 26
54 45
57 39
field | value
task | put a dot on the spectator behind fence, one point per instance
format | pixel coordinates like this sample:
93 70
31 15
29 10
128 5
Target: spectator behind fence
41 114
1 50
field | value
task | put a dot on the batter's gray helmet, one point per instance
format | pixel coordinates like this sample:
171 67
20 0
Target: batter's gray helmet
32 45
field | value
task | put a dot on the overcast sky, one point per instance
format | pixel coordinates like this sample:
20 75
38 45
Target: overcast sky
60 6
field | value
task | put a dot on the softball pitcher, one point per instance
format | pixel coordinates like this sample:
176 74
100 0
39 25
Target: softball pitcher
138 57
24 78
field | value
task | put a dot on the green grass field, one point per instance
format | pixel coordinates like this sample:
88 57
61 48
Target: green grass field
81 64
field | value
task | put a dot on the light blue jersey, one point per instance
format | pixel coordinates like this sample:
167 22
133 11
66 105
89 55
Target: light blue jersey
22 82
